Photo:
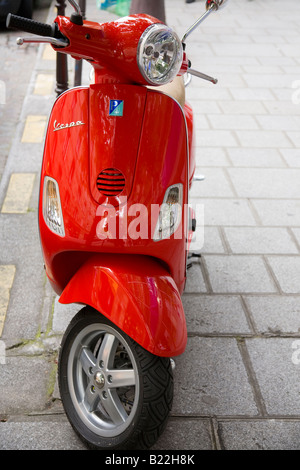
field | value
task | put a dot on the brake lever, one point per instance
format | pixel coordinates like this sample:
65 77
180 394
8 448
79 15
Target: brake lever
43 39
203 75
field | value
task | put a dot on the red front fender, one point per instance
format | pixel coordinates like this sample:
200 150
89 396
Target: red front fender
138 295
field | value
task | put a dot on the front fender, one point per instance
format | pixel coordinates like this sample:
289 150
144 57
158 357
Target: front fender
138 295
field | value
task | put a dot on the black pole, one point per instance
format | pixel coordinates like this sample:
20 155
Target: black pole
61 59
78 63
155 8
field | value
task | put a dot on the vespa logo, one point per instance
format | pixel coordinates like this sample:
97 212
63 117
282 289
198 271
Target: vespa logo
116 107
58 126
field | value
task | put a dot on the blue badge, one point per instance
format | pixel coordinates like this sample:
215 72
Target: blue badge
116 107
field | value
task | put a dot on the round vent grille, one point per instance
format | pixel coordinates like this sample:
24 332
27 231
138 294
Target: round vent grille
110 182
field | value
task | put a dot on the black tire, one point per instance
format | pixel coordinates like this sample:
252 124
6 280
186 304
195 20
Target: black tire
139 403
26 9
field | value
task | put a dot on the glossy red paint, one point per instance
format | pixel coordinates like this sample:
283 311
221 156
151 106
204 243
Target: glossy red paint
134 281
71 156
110 47
137 295
114 141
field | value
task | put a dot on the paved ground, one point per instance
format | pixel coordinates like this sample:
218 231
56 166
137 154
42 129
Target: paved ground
237 384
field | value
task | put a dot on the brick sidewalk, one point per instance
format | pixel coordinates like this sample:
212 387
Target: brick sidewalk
237 384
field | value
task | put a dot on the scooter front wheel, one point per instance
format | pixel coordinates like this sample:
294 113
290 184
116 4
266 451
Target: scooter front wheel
116 394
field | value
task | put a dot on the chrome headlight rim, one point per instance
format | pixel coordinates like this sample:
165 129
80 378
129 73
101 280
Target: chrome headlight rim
159 30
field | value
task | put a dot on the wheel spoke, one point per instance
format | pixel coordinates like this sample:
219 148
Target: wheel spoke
114 407
121 378
107 350
91 399
87 360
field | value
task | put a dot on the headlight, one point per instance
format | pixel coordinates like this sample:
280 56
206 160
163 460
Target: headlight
170 213
52 207
159 54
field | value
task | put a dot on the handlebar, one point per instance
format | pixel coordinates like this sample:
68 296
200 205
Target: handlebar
30 26
50 32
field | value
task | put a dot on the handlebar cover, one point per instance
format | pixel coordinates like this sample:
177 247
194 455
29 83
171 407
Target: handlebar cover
31 26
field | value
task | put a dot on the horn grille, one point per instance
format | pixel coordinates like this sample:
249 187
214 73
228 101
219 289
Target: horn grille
110 182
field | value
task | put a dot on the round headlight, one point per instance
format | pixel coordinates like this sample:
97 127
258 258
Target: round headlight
159 54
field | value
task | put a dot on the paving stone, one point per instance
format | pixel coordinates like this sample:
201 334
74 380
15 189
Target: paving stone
294 136
194 280
30 377
275 315
216 138
292 157
245 274
39 435
216 381
201 107
251 157
287 272
296 232
210 378
232 212
216 94
243 107
266 183
267 434
211 241
210 157
284 213
208 314
260 240
282 107
277 374
215 184
270 80
266 139
248 50
174 436
279 123
256 94
228 121
62 315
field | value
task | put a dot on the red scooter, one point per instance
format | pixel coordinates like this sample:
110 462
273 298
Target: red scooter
114 221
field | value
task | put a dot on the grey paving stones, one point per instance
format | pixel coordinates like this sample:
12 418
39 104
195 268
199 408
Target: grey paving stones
260 240
284 212
228 212
43 434
277 374
264 434
29 376
237 383
178 428
209 314
216 379
275 315
287 271
244 274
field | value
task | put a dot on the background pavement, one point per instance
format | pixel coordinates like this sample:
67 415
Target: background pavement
237 384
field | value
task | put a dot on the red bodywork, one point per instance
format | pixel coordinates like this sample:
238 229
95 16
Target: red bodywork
135 282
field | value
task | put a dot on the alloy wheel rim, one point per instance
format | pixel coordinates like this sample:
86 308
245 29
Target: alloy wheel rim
103 380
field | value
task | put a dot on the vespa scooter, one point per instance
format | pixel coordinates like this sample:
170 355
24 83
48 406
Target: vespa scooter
117 168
